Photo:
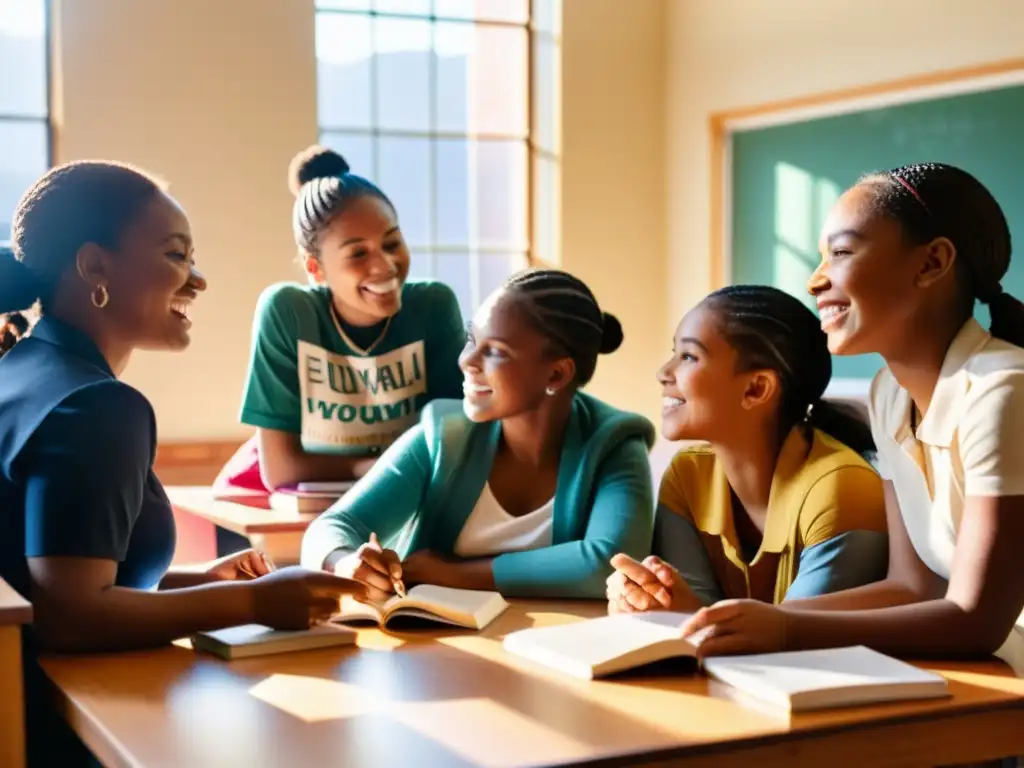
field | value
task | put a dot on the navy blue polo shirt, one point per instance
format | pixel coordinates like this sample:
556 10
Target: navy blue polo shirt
76 462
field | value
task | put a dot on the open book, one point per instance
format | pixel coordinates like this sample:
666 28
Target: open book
604 646
467 608
837 677
257 640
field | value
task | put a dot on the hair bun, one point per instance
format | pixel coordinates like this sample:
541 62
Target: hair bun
611 333
19 286
314 162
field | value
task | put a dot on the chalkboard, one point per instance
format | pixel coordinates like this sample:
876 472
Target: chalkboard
785 178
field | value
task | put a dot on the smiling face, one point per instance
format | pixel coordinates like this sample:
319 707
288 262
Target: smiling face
507 365
364 260
866 284
151 277
705 395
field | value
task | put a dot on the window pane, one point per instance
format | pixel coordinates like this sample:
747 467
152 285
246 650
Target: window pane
404 175
452 193
421 265
547 198
517 11
356 148
547 16
501 188
481 193
402 47
412 7
481 78
344 5
343 70
547 80
23 159
495 268
454 270
23 51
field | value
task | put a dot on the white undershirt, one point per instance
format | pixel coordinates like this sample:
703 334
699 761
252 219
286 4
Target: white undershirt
490 530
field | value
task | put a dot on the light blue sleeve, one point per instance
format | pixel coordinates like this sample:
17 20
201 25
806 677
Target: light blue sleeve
847 560
621 520
382 502
677 542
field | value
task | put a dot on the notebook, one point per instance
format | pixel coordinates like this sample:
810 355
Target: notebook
604 646
466 608
798 681
250 640
307 498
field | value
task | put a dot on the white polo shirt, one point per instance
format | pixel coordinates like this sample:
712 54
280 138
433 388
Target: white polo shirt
969 443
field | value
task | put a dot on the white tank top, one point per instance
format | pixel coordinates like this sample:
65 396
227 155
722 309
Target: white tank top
490 530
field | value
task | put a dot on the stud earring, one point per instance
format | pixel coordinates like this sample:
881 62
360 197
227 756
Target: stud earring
100 296
550 391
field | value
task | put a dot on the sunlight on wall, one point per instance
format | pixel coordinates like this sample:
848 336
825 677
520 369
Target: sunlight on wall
802 202
22 18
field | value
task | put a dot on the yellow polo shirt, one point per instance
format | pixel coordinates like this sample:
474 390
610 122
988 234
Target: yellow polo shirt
821 489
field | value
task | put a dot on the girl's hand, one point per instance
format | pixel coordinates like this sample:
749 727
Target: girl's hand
652 585
738 626
373 566
241 566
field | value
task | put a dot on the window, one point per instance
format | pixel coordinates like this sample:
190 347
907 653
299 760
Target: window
24 102
451 107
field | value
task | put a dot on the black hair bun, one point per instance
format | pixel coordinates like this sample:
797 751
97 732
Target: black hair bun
611 333
314 162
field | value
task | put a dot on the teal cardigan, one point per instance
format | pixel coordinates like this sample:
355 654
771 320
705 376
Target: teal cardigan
423 488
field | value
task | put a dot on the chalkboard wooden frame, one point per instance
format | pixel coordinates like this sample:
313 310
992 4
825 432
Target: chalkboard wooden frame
722 125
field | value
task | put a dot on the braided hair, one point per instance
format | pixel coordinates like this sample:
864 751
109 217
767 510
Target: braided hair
324 187
932 200
564 309
770 329
88 201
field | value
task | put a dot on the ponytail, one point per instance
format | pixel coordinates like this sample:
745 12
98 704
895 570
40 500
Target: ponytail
20 289
1007 314
842 422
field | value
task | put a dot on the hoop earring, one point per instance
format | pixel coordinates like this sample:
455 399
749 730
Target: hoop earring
550 391
103 296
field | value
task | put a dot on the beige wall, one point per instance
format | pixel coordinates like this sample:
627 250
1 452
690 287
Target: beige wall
613 181
732 53
217 95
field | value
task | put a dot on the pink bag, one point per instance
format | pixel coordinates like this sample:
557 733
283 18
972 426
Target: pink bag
242 472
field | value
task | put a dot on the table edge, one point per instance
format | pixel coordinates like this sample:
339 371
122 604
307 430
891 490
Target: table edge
14 609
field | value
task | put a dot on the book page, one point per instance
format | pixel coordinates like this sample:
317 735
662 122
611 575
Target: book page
825 677
595 642
353 610
464 607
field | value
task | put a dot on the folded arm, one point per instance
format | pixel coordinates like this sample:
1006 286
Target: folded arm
902 615
86 469
283 461
621 520
383 502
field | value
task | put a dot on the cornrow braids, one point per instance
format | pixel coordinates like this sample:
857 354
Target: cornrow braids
932 200
324 187
770 329
564 309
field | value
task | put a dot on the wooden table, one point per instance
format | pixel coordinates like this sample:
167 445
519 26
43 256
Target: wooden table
457 699
279 534
15 612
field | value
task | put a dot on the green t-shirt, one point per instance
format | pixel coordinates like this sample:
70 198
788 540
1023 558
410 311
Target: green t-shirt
305 379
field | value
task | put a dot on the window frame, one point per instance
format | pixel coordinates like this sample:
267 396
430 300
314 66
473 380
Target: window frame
46 119
532 151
